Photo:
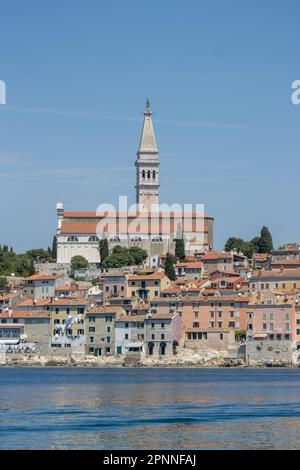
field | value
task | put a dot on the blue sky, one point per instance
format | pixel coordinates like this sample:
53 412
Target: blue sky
219 78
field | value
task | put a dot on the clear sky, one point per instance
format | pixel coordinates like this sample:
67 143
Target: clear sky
219 76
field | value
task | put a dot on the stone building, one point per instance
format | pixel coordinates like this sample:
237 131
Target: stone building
100 329
149 225
271 328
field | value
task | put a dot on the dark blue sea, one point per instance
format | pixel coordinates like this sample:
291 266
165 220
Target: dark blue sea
81 408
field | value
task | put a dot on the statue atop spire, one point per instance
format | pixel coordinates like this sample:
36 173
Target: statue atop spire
148 110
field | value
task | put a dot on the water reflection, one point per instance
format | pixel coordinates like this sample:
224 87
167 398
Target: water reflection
149 409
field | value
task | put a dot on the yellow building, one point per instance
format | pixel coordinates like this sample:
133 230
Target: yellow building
283 280
147 285
67 319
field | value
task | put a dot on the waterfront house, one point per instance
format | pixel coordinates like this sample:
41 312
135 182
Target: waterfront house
100 329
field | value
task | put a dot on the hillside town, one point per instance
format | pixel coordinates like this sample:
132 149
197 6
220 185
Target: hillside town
125 288
220 308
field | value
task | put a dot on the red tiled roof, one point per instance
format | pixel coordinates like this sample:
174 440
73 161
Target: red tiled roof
147 277
26 314
42 277
31 303
195 265
215 255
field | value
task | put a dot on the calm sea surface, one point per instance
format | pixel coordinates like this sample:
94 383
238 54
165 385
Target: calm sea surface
71 408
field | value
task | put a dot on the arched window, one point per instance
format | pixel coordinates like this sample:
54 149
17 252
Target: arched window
136 239
93 238
149 174
153 174
114 239
72 238
156 239
143 174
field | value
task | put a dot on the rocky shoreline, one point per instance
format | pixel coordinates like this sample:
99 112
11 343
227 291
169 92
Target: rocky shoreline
186 359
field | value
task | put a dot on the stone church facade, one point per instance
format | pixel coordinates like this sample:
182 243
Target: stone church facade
149 226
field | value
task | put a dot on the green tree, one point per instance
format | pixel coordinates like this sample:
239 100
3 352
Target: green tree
170 270
79 262
2 282
39 254
255 244
119 257
234 243
54 248
23 265
179 248
265 244
103 250
139 255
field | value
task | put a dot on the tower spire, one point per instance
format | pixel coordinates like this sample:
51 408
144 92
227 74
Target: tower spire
147 164
147 141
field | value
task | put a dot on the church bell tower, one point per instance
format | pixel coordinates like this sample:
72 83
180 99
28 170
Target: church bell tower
147 165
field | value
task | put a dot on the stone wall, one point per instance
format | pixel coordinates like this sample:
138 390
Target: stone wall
268 351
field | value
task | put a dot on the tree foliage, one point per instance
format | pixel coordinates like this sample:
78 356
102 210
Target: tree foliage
79 262
179 248
121 256
2 282
138 254
262 244
103 250
265 244
12 263
169 269
54 248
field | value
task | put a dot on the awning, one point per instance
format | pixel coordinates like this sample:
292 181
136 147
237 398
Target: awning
135 345
260 335
9 341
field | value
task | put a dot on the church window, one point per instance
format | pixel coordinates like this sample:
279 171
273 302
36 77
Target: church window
149 174
72 238
153 174
93 238
143 174
114 239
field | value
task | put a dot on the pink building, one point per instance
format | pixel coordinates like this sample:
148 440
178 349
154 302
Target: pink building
271 316
114 285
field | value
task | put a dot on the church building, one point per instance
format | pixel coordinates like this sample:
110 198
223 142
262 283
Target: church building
150 226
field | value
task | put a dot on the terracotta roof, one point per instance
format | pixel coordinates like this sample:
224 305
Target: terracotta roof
215 255
26 314
31 303
5 297
276 273
42 277
261 256
193 265
132 318
161 316
66 287
47 302
147 277
130 214
69 301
